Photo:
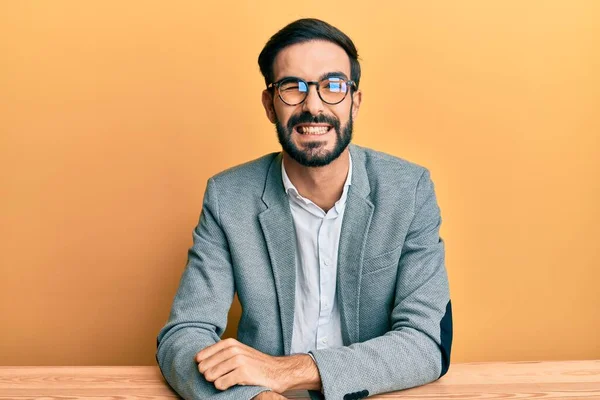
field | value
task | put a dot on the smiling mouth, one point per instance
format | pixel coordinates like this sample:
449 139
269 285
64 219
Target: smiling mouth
313 129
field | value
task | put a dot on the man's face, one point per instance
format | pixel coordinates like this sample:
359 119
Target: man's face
313 132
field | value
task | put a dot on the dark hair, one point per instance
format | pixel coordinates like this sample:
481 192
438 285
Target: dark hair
304 30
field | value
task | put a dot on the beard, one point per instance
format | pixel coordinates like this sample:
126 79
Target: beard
313 154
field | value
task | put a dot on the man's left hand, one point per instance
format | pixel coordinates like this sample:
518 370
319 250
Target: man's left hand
229 362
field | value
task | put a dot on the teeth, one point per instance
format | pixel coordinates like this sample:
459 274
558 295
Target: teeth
313 130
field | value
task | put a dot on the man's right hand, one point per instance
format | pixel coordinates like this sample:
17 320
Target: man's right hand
268 395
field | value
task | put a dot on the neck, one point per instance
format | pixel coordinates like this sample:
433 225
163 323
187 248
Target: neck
321 185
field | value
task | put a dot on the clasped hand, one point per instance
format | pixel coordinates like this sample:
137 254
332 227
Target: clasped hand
229 362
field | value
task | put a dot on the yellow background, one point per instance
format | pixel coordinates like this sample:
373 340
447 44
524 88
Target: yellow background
113 114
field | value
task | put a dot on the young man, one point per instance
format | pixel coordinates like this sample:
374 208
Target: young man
333 250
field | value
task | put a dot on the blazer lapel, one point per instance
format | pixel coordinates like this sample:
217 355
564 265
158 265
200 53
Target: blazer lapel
355 227
278 229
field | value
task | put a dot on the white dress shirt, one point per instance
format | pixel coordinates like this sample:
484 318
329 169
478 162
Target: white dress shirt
317 316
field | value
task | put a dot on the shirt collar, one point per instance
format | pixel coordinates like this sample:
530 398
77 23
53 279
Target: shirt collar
291 190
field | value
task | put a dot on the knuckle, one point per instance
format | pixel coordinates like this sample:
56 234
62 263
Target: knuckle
232 351
213 373
238 359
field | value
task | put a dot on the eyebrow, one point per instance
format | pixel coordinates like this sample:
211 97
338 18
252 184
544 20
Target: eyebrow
331 74
324 76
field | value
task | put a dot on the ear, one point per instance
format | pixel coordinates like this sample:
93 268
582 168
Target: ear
267 101
356 98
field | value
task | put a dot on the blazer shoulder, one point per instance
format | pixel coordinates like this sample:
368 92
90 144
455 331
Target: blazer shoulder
381 165
248 176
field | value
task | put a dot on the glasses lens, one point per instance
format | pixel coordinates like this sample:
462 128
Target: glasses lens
293 91
333 90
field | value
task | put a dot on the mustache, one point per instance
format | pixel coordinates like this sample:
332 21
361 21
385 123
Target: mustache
307 118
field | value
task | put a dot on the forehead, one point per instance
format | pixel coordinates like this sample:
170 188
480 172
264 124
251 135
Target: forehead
310 60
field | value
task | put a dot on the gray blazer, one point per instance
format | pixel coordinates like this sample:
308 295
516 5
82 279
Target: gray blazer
392 285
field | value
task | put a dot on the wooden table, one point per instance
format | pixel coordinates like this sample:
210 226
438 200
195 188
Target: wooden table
521 380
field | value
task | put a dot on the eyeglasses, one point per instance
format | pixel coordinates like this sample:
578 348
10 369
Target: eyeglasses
331 90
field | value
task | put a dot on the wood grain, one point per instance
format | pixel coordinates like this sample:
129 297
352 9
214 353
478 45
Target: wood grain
507 380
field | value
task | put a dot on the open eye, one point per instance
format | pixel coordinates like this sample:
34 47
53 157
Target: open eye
334 85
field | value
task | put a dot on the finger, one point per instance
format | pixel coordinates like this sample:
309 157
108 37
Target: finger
228 380
218 358
224 368
215 348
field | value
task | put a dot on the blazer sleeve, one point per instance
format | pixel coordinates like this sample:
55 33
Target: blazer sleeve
416 350
199 313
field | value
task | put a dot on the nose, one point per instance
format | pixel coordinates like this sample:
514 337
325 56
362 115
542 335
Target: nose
313 103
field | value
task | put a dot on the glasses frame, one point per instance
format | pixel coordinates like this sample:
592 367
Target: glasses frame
277 85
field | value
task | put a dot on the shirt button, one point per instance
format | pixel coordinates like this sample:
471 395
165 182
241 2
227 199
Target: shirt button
327 262
324 340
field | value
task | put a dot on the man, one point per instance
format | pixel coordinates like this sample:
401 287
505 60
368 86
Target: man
333 250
